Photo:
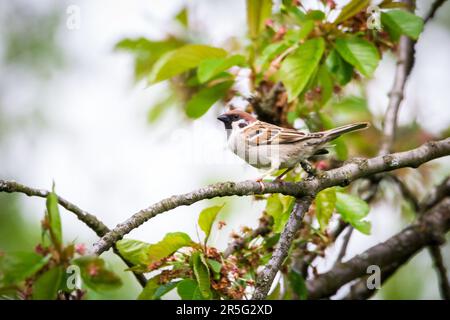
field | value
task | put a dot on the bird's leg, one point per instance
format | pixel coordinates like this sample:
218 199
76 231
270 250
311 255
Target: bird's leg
309 169
273 168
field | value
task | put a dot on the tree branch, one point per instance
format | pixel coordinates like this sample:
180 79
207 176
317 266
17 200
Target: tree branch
355 169
90 220
395 251
405 63
266 276
434 7
360 290
444 284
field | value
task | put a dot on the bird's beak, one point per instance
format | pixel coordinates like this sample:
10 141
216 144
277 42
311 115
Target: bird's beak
226 121
224 118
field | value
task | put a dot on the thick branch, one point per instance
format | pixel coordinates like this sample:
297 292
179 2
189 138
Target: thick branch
355 169
360 289
396 250
266 276
90 220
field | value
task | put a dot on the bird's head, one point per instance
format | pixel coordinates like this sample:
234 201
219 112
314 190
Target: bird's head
236 119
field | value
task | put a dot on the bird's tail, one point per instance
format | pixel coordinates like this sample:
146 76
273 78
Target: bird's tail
337 132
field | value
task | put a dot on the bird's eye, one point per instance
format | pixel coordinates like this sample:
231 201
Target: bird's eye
235 117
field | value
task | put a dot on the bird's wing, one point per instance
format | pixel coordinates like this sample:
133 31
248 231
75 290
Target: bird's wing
262 133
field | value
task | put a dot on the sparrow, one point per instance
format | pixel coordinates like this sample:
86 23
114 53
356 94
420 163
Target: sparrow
267 146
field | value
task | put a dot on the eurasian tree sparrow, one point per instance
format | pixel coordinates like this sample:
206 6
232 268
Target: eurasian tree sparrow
267 146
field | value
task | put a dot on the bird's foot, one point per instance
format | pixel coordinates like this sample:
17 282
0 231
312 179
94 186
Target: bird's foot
261 183
309 169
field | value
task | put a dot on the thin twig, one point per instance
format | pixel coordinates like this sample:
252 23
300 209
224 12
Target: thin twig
346 241
444 284
90 220
434 7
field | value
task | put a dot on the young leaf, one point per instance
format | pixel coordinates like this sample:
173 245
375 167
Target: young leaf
17 266
360 53
147 52
353 210
298 285
210 68
325 204
46 286
325 83
257 13
279 207
352 9
183 59
270 52
341 69
95 274
182 17
399 22
171 243
216 266
163 289
150 288
207 218
205 98
297 68
54 218
188 289
201 273
134 251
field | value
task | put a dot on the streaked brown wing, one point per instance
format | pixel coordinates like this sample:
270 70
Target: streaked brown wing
260 133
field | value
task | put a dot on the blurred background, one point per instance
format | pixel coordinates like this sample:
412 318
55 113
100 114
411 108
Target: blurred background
72 112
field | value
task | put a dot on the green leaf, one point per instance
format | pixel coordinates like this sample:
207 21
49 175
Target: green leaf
188 289
325 204
182 17
325 83
146 52
164 248
298 284
360 53
134 251
95 274
150 288
341 69
279 207
154 291
183 59
258 11
207 218
216 266
54 218
17 266
316 15
203 100
164 288
399 22
46 286
210 68
270 52
351 9
201 273
297 68
353 210
157 110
